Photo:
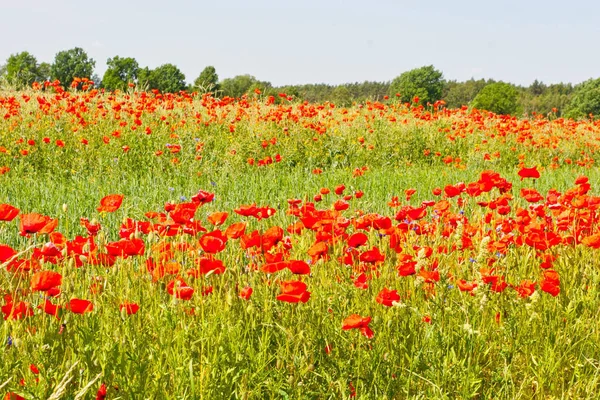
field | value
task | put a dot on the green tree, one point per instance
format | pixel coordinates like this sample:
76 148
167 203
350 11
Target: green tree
585 100
241 84
426 83
499 97
44 72
167 78
537 88
120 72
458 94
144 76
22 70
341 96
207 81
73 63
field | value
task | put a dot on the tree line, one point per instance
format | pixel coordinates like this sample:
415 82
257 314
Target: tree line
425 85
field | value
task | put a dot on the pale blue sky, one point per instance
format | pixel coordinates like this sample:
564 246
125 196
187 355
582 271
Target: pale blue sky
319 41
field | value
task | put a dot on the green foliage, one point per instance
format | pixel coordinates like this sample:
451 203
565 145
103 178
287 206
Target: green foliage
458 94
207 81
499 97
44 71
426 83
70 64
242 84
22 70
314 93
553 98
341 96
144 76
167 78
537 88
586 100
120 72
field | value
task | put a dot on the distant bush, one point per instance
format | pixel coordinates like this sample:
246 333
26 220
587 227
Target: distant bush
499 98
426 83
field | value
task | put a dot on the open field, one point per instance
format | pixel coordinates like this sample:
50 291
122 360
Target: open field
183 247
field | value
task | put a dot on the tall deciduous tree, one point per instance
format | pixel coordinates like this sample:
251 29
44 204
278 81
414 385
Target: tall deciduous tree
73 63
22 70
167 78
120 72
586 100
207 81
426 83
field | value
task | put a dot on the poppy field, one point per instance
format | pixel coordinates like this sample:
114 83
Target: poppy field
182 246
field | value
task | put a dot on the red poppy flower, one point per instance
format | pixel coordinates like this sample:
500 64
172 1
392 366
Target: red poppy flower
355 321
217 218
130 308
271 268
361 281
36 223
15 311
417 213
44 280
407 268
101 393
531 195
203 197
341 205
387 297
213 242
298 267
246 292
183 213
6 253
293 292
50 309
529 173
246 210
110 203
465 286
451 191
126 247
236 230
526 288
430 276
206 265
180 289
357 239
80 306
339 189
372 256
271 237
318 251
92 227
8 212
